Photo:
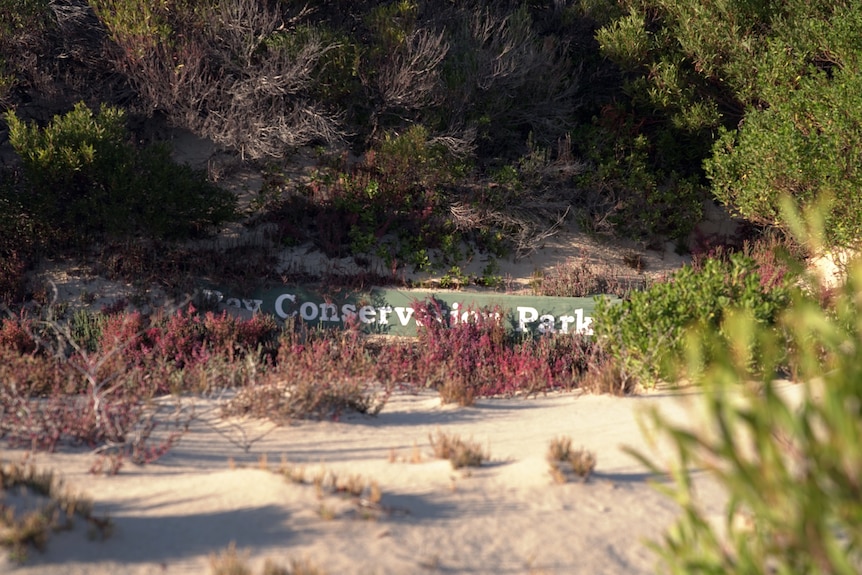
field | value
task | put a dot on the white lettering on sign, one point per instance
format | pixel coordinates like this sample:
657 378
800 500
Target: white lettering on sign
308 311
547 322
348 311
404 314
527 318
367 314
329 312
279 305
526 315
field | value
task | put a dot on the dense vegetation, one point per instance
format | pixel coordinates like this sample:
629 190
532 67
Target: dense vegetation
477 123
440 128
788 458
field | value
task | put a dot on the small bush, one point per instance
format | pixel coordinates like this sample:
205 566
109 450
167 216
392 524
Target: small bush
580 462
464 360
229 562
393 205
232 562
459 452
787 459
317 374
97 384
85 181
643 332
579 278
638 187
19 239
22 22
16 334
225 70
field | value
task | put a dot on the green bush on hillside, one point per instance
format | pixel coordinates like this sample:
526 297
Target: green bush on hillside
85 181
780 77
808 147
629 190
646 331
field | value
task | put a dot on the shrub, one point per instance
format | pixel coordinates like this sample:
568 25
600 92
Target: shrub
790 467
799 147
464 360
225 71
16 334
505 80
19 240
186 338
317 374
49 401
232 562
84 181
767 77
20 21
580 278
646 330
394 205
636 186
98 383
580 462
459 452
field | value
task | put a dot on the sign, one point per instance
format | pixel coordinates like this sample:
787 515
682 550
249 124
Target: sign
394 311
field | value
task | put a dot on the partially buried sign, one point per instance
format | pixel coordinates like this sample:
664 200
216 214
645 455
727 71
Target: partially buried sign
400 312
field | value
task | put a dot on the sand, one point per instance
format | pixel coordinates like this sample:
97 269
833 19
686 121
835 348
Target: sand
220 485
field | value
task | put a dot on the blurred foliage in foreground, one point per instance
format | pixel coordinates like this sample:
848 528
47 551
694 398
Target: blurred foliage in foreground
792 468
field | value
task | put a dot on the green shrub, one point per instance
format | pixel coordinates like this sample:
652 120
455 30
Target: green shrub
505 77
646 330
637 186
394 205
791 468
85 181
336 76
807 146
781 80
145 21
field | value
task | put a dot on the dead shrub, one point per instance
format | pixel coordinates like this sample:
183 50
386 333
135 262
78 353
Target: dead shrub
581 278
220 79
564 460
317 374
459 452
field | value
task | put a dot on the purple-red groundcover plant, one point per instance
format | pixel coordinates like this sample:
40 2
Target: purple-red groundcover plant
54 391
110 396
480 358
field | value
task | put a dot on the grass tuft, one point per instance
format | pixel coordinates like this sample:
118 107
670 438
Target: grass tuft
459 452
561 456
232 562
54 509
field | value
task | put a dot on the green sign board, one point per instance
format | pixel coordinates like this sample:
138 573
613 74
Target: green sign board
394 311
